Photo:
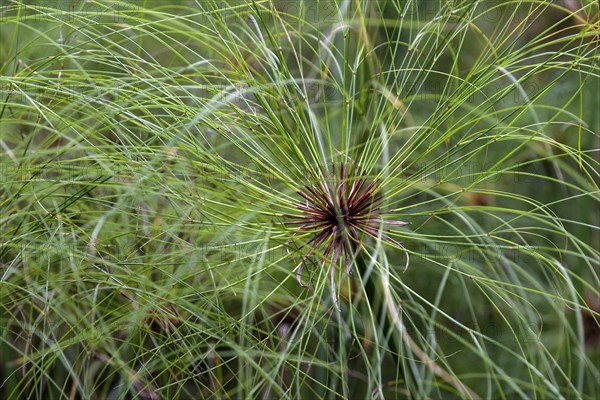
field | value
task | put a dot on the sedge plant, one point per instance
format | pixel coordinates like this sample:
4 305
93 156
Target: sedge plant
301 199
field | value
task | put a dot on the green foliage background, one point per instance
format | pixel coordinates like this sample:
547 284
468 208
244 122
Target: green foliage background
151 150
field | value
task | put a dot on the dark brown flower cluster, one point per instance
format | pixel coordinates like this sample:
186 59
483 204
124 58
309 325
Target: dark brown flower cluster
340 212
